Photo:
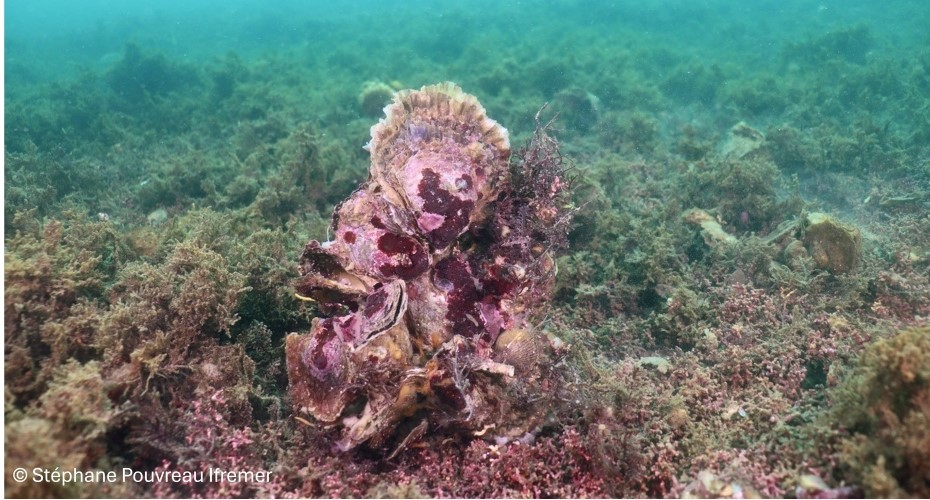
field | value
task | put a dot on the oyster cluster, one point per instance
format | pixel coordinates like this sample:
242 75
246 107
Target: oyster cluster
436 272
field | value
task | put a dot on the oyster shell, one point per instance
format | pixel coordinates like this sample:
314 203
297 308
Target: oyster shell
427 329
438 156
372 345
378 239
446 302
384 308
320 371
325 279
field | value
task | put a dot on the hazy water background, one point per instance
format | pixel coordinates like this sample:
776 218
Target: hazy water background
710 64
691 53
51 39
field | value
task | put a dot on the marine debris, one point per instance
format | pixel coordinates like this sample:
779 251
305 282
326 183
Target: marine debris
711 230
433 282
743 141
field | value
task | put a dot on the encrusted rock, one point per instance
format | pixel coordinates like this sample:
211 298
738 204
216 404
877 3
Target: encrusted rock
834 246
374 97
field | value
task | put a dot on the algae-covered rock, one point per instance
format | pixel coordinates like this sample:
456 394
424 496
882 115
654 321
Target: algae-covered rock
659 363
886 407
796 255
374 97
157 217
578 109
742 141
833 245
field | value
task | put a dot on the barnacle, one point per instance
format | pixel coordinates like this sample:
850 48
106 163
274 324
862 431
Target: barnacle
429 299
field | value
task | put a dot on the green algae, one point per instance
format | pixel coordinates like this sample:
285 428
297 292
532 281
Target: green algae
883 403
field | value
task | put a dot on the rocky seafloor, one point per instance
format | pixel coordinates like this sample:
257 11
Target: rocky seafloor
744 303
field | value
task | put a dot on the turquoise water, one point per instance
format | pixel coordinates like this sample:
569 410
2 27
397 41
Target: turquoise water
51 40
809 65
653 56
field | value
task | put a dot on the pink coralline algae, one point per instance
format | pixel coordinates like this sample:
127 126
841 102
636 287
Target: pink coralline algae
433 281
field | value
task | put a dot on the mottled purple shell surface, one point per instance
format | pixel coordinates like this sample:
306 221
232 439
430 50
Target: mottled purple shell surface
439 156
378 239
449 301
320 370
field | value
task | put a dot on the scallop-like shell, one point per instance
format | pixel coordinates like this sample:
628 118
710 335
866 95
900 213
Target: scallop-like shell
520 348
439 156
